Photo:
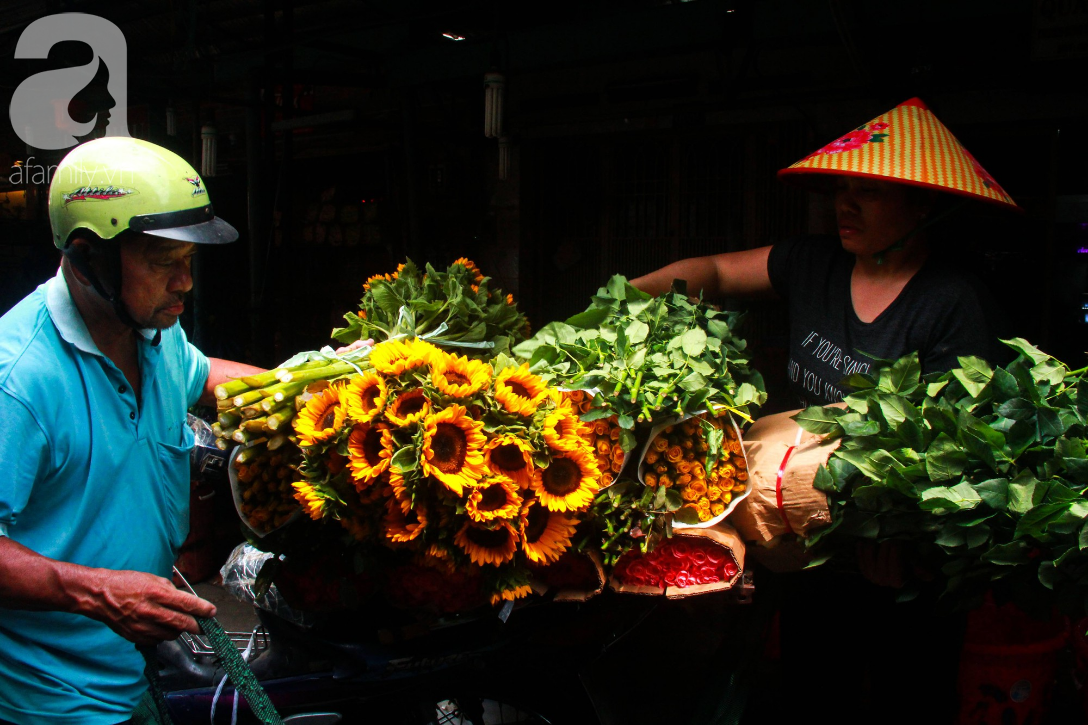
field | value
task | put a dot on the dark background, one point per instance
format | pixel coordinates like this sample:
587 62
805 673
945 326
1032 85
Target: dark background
350 135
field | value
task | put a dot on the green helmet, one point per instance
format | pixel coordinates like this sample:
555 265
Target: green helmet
116 183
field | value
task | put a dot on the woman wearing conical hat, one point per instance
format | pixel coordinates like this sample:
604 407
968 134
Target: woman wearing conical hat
873 291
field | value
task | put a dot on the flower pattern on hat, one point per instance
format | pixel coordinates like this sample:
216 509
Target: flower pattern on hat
855 139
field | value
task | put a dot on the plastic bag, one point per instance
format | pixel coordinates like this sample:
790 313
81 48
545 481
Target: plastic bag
240 580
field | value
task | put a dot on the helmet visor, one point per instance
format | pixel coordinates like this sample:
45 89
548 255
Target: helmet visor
198 225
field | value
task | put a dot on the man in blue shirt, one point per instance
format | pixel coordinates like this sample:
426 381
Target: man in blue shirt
95 379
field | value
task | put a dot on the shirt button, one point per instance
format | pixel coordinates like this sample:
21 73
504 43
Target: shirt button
122 389
132 416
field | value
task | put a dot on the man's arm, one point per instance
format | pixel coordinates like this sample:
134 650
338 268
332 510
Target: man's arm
223 371
140 607
731 274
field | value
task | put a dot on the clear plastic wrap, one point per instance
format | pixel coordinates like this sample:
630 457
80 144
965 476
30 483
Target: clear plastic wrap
240 580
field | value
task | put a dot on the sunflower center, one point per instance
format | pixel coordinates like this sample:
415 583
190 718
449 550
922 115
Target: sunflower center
328 418
411 518
372 446
450 445
369 396
508 457
536 524
410 405
518 389
492 498
562 477
488 538
455 378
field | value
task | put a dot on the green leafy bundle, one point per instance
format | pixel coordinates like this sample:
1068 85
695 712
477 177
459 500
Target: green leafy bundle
628 515
982 471
650 357
455 309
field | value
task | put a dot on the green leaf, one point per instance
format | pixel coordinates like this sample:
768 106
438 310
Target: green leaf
944 459
974 374
961 497
693 382
386 298
861 428
617 287
625 421
873 464
1024 347
1023 493
747 394
1049 372
903 376
980 439
718 329
995 493
823 481
1050 423
1011 554
592 317
896 409
637 332
595 414
686 515
406 458
627 440
1003 385
820 420
1016 409
693 342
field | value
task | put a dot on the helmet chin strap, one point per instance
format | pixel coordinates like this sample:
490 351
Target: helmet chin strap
925 224
79 261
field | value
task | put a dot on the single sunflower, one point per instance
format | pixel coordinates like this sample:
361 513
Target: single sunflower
496 498
453 448
401 527
458 376
471 267
394 357
408 407
509 595
322 418
370 448
485 545
564 430
545 534
313 502
570 481
510 456
364 396
519 391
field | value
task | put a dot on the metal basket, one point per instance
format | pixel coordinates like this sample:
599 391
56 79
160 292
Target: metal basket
200 647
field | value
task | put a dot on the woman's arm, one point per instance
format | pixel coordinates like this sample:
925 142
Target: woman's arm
731 274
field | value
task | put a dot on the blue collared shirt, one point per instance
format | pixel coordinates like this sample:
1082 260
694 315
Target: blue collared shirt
91 477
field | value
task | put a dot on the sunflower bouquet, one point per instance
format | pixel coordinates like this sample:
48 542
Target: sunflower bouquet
455 307
458 467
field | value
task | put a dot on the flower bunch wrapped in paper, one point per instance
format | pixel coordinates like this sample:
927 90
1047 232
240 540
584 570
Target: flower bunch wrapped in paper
707 470
470 466
693 561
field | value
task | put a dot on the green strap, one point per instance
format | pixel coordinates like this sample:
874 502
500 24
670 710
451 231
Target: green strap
241 676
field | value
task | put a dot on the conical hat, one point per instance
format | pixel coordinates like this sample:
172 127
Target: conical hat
909 145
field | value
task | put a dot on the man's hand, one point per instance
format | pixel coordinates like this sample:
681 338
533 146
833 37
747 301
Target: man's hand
354 346
143 608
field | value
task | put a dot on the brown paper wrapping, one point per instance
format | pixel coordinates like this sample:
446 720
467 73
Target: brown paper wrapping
583 593
724 535
758 517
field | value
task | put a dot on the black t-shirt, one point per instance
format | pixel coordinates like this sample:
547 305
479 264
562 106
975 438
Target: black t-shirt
942 313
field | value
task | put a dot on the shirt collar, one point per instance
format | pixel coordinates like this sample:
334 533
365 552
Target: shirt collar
70 324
